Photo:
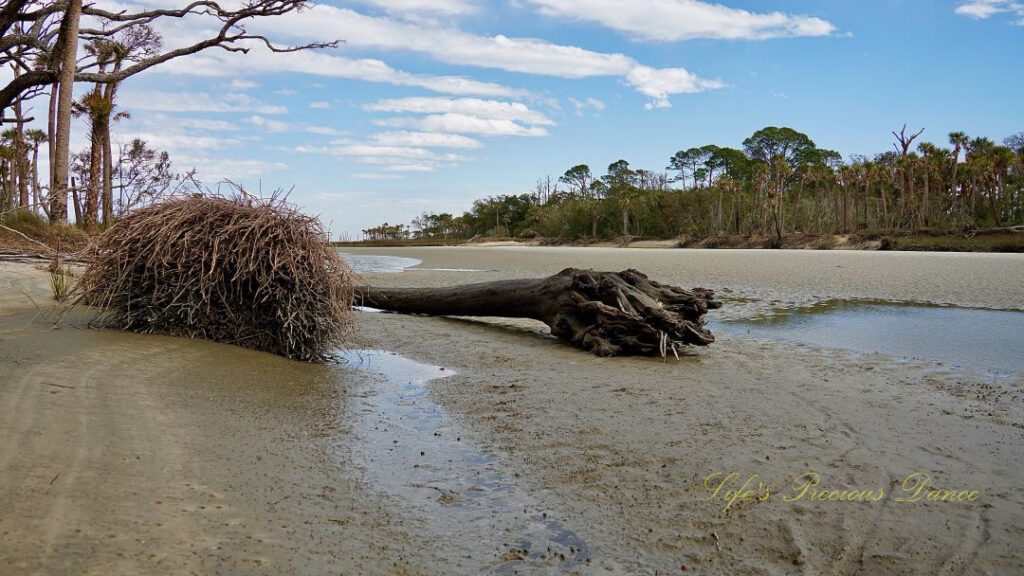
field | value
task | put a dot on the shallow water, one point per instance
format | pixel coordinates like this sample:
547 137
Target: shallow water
987 340
377 264
853 300
471 507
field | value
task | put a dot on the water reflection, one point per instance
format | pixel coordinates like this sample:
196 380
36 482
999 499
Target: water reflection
988 340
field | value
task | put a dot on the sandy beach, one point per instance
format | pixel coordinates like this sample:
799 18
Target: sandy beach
131 454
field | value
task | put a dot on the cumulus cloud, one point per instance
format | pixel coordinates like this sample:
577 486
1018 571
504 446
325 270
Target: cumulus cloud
675 20
660 83
984 9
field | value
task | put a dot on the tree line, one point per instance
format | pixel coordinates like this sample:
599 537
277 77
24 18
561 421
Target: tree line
778 183
49 45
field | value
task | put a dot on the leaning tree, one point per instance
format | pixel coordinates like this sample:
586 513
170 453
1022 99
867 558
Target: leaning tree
39 40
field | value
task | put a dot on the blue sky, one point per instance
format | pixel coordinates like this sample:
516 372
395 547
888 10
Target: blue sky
430 104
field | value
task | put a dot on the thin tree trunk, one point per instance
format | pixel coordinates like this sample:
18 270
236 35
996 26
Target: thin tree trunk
721 208
925 220
36 205
993 197
92 193
77 201
108 178
59 186
20 157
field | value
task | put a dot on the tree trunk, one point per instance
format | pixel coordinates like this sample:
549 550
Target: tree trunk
92 192
35 178
108 178
59 182
77 201
605 313
51 143
925 220
721 208
21 158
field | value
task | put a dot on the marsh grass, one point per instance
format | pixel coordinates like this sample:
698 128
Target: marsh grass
61 283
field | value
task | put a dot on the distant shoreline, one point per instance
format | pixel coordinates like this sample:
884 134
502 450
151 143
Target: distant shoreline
1009 240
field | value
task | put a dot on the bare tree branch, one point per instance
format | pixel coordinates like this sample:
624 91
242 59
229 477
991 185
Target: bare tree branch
40 44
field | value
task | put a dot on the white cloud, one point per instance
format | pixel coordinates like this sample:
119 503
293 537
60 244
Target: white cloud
463 124
448 7
489 109
390 158
320 105
323 130
321 64
453 46
585 104
213 169
181 142
159 121
411 167
164 101
675 20
269 124
426 140
984 9
660 83
238 84
374 176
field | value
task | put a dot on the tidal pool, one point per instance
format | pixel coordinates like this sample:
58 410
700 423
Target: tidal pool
377 264
469 504
987 340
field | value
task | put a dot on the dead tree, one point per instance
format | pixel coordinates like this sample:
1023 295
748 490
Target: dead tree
606 313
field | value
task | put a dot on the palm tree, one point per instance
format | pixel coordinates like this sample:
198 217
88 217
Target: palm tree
959 141
929 151
62 146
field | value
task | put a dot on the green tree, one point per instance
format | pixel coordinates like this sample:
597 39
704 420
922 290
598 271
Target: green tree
578 179
621 185
780 149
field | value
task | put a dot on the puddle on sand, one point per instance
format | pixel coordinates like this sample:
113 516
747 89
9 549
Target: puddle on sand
987 340
475 516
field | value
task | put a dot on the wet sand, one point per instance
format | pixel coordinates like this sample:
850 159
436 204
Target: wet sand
125 454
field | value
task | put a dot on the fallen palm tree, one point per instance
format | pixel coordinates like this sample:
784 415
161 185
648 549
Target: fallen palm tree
606 313
242 270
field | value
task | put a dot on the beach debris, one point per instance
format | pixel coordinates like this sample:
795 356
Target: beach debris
606 313
240 269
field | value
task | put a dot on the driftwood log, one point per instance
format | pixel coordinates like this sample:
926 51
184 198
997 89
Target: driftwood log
606 313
